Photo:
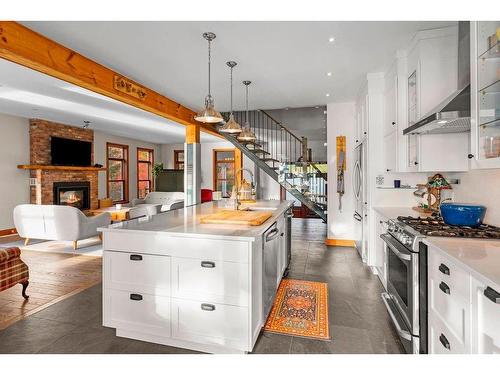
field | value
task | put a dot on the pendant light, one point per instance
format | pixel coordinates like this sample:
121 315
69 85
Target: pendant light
247 133
231 127
208 114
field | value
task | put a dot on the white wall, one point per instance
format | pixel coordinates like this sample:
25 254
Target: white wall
340 121
100 140
14 150
167 154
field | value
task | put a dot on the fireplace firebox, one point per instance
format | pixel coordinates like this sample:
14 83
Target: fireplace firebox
75 194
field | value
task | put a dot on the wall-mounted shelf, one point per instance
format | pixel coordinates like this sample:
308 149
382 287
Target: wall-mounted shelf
59 168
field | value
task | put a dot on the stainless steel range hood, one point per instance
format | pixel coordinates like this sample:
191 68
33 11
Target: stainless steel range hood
453 114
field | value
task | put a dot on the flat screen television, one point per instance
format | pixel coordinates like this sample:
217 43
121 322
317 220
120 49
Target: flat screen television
70 152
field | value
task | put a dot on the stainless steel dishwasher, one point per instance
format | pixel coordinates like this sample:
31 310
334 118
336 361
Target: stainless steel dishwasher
270 248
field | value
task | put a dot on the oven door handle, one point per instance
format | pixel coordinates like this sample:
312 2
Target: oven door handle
389 241
401 332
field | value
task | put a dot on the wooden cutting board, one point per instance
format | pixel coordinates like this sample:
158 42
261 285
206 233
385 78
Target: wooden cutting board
237 217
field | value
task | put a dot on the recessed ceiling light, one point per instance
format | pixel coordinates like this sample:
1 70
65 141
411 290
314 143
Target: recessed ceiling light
442 122
331 39
329 74
327 94
316 106
325 144
324 112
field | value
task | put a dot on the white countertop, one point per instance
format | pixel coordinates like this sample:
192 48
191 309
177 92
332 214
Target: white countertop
186 222
394 212
479 256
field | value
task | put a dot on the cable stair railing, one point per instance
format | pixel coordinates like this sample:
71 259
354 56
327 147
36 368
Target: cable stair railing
285 158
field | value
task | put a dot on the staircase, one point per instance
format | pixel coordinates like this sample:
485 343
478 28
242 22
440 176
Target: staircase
285 158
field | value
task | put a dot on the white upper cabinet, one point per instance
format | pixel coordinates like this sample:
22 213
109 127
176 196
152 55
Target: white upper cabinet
430 76
390 123
485 94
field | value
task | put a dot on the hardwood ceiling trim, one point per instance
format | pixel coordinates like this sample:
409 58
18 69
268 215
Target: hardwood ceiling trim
26 47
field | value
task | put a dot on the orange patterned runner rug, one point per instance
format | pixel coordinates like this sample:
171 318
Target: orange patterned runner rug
300 309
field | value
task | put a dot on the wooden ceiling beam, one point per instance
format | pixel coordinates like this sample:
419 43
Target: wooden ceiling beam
26 47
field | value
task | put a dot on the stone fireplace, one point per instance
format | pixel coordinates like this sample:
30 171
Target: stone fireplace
75 194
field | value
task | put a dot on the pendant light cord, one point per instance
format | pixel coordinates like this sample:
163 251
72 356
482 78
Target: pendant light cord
231 90
209 58
246 115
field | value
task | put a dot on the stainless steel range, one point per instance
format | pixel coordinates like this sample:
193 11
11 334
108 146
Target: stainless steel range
406 297
406 293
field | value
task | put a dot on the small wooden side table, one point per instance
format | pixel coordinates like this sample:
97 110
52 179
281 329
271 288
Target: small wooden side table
116 215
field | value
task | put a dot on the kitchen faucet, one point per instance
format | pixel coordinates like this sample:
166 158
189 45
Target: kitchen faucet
238 203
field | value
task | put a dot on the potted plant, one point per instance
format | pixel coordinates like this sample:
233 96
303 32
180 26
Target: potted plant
157 168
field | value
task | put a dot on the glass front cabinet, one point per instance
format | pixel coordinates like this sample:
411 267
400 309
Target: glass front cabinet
485 94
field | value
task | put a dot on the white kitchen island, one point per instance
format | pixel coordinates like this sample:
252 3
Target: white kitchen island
171 280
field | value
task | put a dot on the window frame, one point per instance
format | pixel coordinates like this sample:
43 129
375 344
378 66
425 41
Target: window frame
176 160
151 164
237 164
125 169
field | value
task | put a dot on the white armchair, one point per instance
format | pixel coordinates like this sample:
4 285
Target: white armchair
52 222
164 200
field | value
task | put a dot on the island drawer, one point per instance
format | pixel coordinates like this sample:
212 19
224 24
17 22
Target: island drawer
139 312
188 247
208 279
210 323
142 273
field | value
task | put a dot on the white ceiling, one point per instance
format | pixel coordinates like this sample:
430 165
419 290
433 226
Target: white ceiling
27 93
287 61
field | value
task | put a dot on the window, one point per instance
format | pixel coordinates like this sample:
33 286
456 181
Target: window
178 159
117 172
226 161
145 160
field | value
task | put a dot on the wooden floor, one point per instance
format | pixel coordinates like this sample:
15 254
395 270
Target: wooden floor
53 277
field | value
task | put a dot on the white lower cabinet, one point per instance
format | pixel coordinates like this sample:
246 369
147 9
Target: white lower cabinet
486 318
140 312
217 281
210 323
381 249
464 312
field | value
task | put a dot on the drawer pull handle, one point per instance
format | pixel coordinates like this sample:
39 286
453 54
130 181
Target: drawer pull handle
492 295
135 297
207 264
444 341
207 307
135 257
444 269
444 287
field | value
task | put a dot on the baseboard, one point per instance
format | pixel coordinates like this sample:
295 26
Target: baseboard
8 232
340 242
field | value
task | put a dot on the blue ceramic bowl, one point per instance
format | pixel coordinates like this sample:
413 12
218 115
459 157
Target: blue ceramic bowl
463 214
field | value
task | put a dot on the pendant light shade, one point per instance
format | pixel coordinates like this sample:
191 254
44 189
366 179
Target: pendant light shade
247 133
208 114
231 127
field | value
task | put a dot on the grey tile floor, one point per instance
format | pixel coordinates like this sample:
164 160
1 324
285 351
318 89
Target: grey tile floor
358 320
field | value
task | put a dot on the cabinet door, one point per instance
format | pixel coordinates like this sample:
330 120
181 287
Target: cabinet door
413 113
391 115
485 96
381 250
390 147
485 318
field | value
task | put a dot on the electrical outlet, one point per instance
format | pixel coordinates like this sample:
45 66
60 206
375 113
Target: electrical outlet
32 181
